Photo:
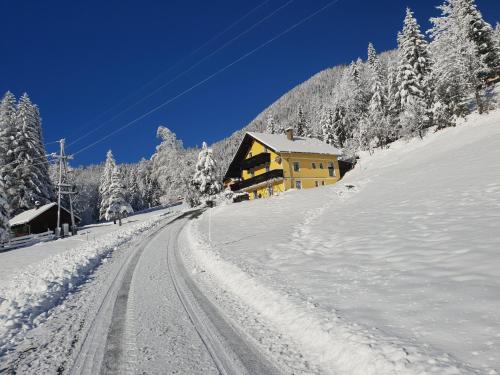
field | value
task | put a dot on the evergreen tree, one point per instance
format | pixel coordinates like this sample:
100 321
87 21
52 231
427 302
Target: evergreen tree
117 204
458 68
350 103
393 104
496 34
303 129
480 33
413 76
376 122
166 164
271 125
327 127
205 181
105 184
373 60
7 137
31 168
4 214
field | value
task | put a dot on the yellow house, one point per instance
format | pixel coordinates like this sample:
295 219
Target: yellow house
268 164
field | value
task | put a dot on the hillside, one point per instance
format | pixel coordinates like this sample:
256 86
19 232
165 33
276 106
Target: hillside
398 274
319 91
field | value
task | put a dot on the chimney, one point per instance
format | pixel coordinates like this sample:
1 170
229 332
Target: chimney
289 134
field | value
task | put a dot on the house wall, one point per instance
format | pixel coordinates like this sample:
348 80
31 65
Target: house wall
259 148
307 175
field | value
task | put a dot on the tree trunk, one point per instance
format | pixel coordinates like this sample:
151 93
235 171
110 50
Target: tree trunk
479 102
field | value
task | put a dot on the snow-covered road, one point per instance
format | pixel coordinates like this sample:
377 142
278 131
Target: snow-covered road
139 313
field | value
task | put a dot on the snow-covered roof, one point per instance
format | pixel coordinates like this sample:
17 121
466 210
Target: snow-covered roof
280 143
27 216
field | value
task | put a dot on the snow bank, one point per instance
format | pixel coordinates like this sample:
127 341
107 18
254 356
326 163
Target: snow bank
29 295
334 344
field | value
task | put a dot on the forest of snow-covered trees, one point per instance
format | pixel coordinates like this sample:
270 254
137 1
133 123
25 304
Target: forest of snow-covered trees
431 79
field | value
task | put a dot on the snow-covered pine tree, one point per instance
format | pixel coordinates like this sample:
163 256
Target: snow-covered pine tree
327 127
393 104
105 184
480 33
167 163
303 129
413 76
117 204
496 34
271 127
7 137
4 214
31 168
350 102
205 181
458 68
376 124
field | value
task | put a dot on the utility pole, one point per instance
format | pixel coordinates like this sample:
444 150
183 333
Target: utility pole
64 188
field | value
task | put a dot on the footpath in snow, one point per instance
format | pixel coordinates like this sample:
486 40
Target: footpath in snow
397 275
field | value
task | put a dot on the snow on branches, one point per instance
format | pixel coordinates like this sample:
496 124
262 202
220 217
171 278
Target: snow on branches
205 180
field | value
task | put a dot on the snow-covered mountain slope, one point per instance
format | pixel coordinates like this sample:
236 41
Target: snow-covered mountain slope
398 274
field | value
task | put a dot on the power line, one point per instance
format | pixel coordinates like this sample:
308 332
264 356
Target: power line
286 31
184 72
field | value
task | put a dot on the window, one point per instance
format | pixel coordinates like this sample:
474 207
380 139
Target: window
314 165
320 165
296 166
331 169
298 184
322 183
316 183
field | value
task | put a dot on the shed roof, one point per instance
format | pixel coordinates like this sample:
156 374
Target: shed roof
29 215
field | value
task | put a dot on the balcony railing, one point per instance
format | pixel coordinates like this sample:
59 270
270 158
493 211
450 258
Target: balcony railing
256 160
275 173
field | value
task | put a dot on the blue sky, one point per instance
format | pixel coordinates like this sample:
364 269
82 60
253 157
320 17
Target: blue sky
84 62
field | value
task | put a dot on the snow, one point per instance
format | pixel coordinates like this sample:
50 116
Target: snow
36 278
280 143
397 274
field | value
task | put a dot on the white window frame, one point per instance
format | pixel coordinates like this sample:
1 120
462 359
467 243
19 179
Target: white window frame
298 184
332 169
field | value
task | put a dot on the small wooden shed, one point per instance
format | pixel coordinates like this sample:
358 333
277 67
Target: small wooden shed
39 220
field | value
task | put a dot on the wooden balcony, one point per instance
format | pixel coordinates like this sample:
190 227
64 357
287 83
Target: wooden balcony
256 160
273 174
